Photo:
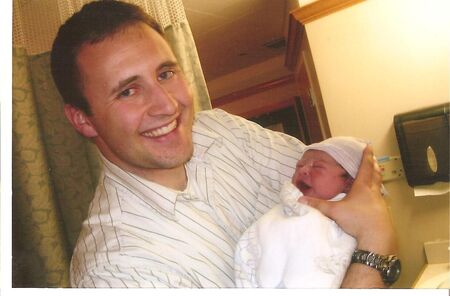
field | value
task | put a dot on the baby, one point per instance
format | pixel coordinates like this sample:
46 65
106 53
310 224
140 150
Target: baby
294 245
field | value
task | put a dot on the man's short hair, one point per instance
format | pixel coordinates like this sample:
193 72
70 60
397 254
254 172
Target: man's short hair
93 23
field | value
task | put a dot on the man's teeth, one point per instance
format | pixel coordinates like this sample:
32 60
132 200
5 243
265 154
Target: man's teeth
162 130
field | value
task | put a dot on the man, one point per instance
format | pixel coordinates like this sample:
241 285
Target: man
176 193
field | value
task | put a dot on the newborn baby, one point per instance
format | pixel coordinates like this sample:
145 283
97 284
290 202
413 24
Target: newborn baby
294 245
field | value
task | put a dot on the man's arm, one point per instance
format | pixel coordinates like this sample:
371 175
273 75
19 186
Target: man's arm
364 215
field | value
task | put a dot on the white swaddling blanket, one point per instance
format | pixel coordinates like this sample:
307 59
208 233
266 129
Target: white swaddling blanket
293 246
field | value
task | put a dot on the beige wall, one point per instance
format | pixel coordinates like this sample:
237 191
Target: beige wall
374 60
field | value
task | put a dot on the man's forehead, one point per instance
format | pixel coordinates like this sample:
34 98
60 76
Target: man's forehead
132 31
136 38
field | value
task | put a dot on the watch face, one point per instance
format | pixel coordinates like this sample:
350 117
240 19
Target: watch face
393 271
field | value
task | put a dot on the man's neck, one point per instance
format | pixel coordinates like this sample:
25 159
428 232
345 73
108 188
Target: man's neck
174 178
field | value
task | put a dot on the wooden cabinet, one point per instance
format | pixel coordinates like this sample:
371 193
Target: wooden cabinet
279 105
292 104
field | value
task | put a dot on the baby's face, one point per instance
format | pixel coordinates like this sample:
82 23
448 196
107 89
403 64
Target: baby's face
319 175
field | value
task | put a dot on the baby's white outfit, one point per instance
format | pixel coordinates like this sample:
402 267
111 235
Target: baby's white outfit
293 246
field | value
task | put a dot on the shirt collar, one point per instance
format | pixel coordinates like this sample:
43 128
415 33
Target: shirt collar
203 139
159 197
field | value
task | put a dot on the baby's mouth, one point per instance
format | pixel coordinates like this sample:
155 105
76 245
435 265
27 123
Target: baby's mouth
161 131
303 187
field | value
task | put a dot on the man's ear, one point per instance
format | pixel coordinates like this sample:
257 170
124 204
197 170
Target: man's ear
80 121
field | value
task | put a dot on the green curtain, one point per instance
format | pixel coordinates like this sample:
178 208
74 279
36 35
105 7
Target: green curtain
180 38
55 170
54 176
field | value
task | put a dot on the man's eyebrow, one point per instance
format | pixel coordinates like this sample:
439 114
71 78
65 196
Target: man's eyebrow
123 83
169 64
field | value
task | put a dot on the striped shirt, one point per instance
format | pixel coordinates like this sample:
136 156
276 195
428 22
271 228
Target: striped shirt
141 234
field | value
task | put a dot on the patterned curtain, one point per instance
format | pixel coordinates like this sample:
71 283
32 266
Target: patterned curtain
55 169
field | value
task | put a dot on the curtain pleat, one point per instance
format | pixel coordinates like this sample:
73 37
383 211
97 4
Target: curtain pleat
72 158
40 255
180 38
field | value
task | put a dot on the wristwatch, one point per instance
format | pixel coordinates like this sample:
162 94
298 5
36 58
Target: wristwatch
388 265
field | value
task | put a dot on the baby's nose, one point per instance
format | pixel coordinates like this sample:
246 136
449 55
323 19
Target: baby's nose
304 170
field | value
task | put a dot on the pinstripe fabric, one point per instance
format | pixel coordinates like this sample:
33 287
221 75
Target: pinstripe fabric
141 234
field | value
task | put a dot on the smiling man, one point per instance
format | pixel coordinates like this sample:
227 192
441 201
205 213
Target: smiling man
176 193
142 110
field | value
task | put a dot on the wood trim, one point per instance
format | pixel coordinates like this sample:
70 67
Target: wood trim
320 8
252 90
303 15
295 36
267 109
314 86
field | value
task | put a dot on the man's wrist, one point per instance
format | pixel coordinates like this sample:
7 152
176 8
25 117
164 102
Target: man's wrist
381 242
388 266
380 247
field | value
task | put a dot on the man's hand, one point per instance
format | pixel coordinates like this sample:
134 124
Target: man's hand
363 213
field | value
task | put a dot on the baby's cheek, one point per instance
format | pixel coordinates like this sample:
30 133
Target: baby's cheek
295 177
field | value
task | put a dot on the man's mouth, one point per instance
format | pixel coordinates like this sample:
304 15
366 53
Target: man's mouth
161 131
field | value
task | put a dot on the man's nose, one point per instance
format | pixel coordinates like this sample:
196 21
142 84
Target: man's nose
161 101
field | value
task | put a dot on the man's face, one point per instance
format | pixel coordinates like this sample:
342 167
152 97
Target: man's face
142 111
318 175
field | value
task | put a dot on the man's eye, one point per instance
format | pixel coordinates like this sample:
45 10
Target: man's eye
166 75
127 93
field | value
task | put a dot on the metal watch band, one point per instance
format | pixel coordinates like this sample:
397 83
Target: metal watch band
389 266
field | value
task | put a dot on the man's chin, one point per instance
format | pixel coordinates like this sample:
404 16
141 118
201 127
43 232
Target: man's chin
168 162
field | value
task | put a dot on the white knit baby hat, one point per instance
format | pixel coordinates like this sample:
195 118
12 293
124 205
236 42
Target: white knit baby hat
347 151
